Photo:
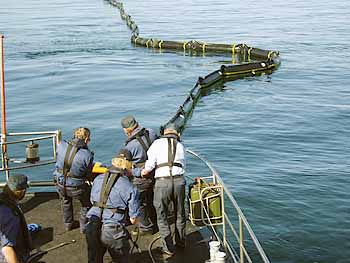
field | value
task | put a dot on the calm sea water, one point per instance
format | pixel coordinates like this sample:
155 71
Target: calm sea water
281 142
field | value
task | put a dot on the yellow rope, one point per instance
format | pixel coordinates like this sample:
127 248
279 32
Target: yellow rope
203 47
160 44
249 70
135 40
249 51
233 49
184 45
269 54
149 40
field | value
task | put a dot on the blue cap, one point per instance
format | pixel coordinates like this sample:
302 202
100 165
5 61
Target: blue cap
17 182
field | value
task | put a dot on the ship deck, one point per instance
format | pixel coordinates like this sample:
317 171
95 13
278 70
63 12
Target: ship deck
45 209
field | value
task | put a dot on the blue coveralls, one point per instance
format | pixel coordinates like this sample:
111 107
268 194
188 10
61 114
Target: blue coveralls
12 233
144 185
114 236
76 186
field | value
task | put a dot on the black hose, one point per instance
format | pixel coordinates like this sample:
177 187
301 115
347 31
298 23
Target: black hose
150 248
134 242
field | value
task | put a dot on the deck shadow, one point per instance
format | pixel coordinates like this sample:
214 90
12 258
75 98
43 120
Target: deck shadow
42 237
36 199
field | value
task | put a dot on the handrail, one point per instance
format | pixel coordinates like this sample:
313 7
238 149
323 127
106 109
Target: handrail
243 222
36 183
3 102
33 137
31 133
30 139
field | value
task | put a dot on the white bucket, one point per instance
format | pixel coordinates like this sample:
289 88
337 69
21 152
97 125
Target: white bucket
214 248
220 257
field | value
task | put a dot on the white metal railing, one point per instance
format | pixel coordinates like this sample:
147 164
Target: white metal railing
226 227
8 163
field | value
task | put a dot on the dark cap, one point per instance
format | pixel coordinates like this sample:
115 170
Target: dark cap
128 122
124 153
17 182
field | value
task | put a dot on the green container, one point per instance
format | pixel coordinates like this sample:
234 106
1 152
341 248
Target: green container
208 210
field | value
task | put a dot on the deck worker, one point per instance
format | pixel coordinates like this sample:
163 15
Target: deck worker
138 141
14 235
73 168
113 197
167 156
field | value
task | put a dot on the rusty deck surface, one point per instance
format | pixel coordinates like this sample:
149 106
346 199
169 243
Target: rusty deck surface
45 209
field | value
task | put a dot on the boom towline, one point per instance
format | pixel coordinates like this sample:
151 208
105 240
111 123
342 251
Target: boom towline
265 62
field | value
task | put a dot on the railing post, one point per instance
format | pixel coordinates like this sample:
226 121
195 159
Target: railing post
241 240
3 107
6 161
223 219
3 102
55 141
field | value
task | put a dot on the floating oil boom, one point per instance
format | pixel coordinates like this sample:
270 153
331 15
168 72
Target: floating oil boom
265 61
236 241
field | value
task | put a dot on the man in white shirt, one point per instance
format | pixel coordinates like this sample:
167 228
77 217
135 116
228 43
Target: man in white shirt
167 156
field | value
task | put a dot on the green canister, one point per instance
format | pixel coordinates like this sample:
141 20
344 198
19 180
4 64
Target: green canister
205 203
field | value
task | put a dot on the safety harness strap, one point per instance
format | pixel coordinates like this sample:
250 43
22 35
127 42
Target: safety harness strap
138 136
172 142
108 181
68 159
171 157
112 209
103 186
106 189
71 152
144 146
148 139
167 164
